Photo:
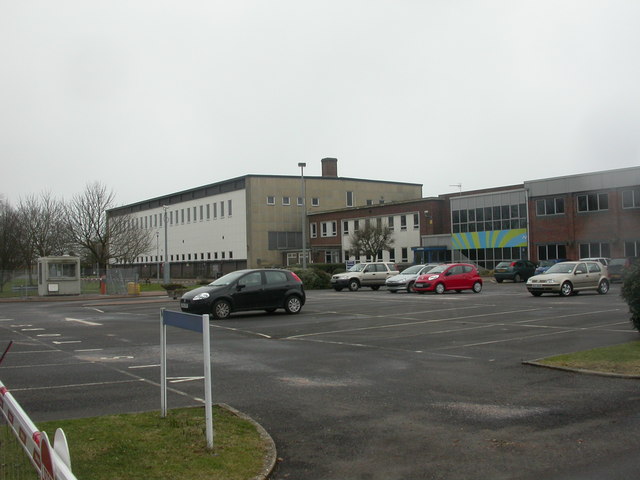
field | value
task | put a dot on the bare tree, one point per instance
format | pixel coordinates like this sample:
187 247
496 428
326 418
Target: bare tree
9 242
127 240
44 226
371 240
97 234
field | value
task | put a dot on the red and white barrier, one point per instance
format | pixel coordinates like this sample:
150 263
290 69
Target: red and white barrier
52 462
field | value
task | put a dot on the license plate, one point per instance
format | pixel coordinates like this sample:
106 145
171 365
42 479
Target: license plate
184 303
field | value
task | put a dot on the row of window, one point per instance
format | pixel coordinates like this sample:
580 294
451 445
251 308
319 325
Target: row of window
330 228
484 219
587 250
315 201
286 201
200 213
185 257
588 202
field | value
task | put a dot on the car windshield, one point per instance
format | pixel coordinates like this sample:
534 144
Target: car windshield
228 278
618 261
562 268
358 267
412 270
438 269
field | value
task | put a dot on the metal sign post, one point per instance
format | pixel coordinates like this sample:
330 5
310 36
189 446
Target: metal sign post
196 323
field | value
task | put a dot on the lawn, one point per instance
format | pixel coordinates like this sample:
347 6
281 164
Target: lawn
144 446
621 359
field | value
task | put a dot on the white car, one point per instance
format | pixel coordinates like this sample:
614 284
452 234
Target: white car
405 279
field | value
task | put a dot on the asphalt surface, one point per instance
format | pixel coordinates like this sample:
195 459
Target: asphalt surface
360 385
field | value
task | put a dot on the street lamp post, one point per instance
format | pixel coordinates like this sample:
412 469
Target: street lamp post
167 266
158 256
304 215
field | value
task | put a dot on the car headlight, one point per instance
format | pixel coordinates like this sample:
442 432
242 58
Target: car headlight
201 296
433 277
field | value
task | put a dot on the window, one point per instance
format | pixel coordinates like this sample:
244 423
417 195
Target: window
405 254
313 227
552 251
392 255
349 199
62 270
595 249
403 223
416 221
300 201
593 202
275 278
286 200
221 209
356 225
315 202
188 215
229 206
550 206
632 248
215 211
271 200
329 229
208 211
345 227
390 223
631 198
369 202
195 213
182 215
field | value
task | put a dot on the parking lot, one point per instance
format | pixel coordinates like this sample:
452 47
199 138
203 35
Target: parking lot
360 385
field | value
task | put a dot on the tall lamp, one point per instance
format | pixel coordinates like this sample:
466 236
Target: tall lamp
304 215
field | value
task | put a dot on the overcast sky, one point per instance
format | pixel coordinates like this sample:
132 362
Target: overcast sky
152 97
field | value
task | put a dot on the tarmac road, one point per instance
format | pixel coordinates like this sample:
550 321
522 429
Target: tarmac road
360 385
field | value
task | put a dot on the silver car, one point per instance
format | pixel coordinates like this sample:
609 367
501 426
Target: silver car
569 278
405 279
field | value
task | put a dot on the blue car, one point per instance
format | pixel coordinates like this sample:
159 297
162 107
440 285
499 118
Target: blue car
544 265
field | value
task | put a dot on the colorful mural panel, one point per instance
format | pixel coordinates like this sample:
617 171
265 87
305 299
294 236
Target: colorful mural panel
490 239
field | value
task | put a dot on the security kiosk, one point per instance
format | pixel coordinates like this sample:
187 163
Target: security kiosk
58 276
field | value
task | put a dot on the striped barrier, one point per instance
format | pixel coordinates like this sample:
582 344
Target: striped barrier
51 461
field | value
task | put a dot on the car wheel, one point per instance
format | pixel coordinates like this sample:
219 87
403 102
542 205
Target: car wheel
499 280
440 288
603 287
375 287
566 289
477 287
337 289
410 288
293 304
517 278
536 294
221 309
354 285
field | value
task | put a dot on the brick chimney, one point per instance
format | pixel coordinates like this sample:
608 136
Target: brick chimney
329 167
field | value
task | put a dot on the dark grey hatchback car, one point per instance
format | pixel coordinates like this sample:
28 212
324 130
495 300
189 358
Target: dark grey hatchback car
259 289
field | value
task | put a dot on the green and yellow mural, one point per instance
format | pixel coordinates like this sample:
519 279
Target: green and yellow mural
490 239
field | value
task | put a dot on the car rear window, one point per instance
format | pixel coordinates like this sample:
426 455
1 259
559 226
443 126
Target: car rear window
275 277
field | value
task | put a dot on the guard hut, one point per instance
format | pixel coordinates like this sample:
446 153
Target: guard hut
58 276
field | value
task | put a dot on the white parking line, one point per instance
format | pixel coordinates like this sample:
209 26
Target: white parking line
84 322
405 324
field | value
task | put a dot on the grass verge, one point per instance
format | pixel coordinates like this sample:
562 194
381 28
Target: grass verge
145 446
621 359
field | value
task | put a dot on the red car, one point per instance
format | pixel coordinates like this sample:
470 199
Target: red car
450 276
